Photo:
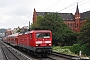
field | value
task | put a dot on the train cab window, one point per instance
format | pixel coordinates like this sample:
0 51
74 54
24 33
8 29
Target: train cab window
42 35
46 35
39 35
30 35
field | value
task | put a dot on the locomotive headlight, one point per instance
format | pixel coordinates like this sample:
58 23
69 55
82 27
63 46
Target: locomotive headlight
36 44
49 44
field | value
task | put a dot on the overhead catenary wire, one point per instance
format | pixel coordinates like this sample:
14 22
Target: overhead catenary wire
87 9
71 5
68 6
53 5
84 4
79 5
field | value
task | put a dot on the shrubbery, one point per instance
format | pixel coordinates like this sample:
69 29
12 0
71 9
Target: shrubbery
83 48
62 50
73 50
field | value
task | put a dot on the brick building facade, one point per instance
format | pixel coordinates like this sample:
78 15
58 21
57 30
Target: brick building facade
73 21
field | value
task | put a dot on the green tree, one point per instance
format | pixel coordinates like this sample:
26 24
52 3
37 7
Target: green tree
84 37
62 34
18 30
35 26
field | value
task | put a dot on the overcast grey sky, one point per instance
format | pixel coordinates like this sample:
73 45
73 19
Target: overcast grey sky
14 13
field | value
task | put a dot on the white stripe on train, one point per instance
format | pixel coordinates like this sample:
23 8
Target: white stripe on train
40 42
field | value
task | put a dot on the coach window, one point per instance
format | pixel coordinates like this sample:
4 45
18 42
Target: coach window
30 35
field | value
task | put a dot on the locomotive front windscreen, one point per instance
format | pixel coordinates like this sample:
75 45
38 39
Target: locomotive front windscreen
42 35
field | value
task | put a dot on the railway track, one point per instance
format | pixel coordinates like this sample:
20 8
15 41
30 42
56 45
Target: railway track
23 55
65 56
60 56
12 54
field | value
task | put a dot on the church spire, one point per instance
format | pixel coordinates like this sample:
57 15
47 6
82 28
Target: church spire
77 19
77 9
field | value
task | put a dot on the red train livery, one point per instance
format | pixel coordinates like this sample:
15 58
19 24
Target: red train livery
13 39
38 42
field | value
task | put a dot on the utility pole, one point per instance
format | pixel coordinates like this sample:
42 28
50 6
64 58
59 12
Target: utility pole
29 26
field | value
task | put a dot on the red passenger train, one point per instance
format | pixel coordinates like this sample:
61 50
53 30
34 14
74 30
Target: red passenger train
38 42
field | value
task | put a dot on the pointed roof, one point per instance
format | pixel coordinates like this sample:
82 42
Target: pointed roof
34 10
34 13
77 9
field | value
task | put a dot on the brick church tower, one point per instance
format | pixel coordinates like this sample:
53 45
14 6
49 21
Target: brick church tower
77 20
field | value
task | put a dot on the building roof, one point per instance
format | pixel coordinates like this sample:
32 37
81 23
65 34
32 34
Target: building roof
8 32
85 15
64 16
67 16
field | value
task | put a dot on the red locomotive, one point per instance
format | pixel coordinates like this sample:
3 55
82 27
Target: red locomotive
37 42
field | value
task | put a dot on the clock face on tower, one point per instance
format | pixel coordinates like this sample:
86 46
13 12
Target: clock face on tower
77 18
